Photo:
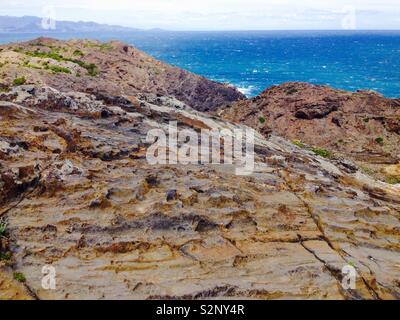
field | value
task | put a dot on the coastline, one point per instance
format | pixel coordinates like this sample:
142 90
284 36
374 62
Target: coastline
253 61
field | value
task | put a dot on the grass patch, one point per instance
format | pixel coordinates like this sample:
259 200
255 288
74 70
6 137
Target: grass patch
317 151
5 256
3 227
262 120
90 67
57 69
32 66
379 141
45 55
19 81
299 144
102 46
4 89
322 152
367 171
19 276
393 180
291 90
78 53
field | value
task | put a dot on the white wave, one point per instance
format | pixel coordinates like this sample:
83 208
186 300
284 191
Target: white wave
247 91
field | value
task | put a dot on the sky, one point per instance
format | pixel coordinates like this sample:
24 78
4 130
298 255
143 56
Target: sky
218 14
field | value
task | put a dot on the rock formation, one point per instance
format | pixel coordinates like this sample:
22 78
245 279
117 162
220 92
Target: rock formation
362 126
78 194
114 68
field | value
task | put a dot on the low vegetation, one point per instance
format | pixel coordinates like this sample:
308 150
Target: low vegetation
101 46
57 69
90 67
5 256
78 53
19 277
27 64
367 171
379 140
45 55
322 152
291 90
3 227
262 120
393 180
4 88
19 81
318 151
299 144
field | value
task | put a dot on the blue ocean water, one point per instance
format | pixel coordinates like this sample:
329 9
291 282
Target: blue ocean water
255 60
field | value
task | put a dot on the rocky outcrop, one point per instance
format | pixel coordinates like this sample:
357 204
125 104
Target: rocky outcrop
361 126
113 226
113 68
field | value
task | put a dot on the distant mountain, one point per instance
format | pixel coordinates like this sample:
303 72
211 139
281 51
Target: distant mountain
31 24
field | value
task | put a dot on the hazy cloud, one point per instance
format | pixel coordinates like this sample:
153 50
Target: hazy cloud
217 14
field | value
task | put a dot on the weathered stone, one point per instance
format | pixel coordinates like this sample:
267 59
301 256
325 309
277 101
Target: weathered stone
361 126
101 217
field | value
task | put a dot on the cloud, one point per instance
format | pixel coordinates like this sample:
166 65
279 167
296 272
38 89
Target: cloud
217 14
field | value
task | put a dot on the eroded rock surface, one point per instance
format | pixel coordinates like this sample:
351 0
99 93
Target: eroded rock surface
79 195
362 126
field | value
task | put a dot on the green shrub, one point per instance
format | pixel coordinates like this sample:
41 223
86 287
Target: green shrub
57 69
379 140
262 120
3 227
90 67
291 91
367 171
366 120
101 46
19 276
393 180
19 81
5 256
51 55
32 66
298 143
78 53
4 88
322 152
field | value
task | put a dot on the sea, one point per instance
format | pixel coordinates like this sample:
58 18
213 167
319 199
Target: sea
255 60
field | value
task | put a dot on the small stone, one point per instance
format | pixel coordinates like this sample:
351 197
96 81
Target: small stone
105 114
152 181
172 195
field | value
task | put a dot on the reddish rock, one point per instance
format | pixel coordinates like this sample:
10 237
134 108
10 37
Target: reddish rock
362 126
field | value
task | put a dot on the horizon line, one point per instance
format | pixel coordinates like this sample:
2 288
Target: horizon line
189 30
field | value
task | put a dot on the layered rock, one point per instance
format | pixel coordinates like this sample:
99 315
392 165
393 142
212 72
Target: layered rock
79 195
114 68
362 126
